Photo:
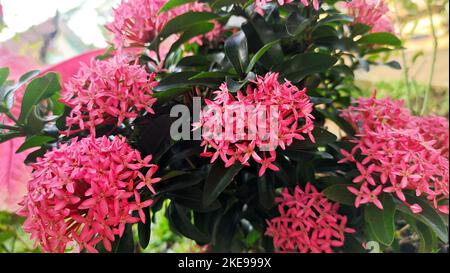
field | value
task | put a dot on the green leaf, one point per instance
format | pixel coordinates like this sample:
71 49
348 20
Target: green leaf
126 243
170 94
37 90
381 222
185 21
173 4
182 80
236 50
322 138
210 74
428 239
381 38
339 193
266 191
259 54
144 229
181 223
296 24
428 216
218 179
4 73
336 18
193 31
34 141
394 65
223 3
305 64
359 29
178 182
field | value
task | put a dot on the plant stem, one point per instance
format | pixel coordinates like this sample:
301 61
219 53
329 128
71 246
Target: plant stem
433 62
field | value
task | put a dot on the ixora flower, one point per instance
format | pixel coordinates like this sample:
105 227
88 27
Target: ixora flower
396 152
138 22
108 92
308 222
372 13
259 4
83 193
252 125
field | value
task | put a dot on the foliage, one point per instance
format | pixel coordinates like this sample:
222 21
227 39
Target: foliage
226 208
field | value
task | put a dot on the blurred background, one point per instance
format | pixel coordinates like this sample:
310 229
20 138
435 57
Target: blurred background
38 34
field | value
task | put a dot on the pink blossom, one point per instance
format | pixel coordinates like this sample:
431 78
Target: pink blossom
308 222
108 92
268 115
396 152
259 4
84 192
372 13
138 22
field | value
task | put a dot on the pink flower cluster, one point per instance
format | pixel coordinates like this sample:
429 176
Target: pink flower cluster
84 192
372 13
254 124
108 92
395 152
259 4
308 222
138 22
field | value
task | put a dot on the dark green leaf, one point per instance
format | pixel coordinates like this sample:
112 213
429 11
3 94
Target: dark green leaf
381 222
37 90
34 141
236 50
428 216
302 65
173 4
381 38
339 193
322 138
428 239
394 65
181 80
266 191
218 179
259 54
179 218
185 21
144 229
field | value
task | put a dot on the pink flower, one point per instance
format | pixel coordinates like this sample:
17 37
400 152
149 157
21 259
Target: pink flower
84 192
138 22
308 222
404 153
259 4
108 92
252 125
372 13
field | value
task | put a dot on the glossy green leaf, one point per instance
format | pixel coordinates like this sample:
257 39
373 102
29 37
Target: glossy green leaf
302 65
259 54
181 223
236 50
182 80
428 216
144 229
173 4
218 179
339 193
381 38
321 136
34 141
37 90
266 191
185 21
381 222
